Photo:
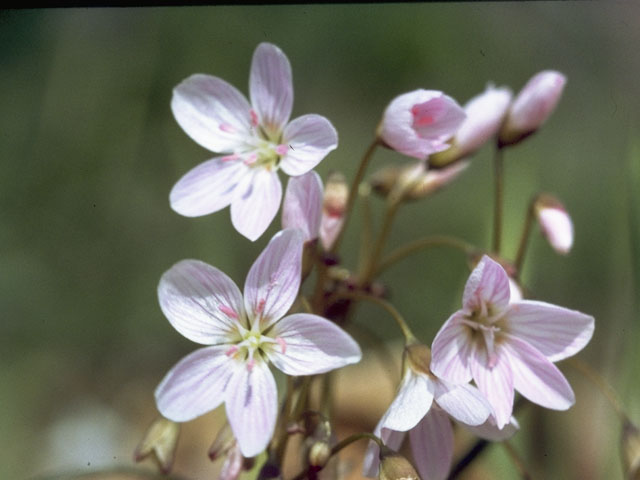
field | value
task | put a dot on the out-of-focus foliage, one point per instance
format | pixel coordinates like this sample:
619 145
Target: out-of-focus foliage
90 150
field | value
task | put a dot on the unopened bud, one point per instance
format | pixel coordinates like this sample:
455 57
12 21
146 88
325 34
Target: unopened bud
223 442
160 442
394 466
336 195
485 114
630 441
532 106
319 454
555 223
419 358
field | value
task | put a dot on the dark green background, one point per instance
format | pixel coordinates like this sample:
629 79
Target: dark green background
89 151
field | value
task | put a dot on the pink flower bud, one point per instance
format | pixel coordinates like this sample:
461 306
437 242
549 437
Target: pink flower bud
336 194
555 223
419 123
532 106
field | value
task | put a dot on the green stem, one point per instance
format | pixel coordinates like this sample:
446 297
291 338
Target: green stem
524 238
600 383
353 191
367 229
498 202
517 460
281 436
406 331
424 243
372 263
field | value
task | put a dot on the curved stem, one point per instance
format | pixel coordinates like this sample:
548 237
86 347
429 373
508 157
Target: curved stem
281 436
353 191
406 331
367 227
600 383
524 238
498 200
423 243
371 265
517 460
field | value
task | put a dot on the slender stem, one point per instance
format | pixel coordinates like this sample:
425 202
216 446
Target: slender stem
301 402
367 228
406 331
282 436
371 264
471 455
524 238
498 202
599 382
517 460
353 190
424 243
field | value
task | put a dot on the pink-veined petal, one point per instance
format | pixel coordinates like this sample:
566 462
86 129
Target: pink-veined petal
463 402
452 350
391 438
232 466
412 402
554 331
432 445
271 87
490 431
274 279
557 227
309 344
253 209
302 206
495 383
310 138
212 112
252 404
200 301
487 285
536 378
195 385
208 187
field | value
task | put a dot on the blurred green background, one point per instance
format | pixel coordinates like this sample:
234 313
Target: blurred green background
90 150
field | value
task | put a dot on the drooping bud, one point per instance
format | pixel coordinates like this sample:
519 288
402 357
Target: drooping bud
223 442
336 194
419 358
319 454
555 223
419 123
394 466
630 442
532 106
160 442
485 114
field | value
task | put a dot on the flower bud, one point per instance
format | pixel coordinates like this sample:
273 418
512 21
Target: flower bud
223 443
419 123
532 106
630 441
555 223
319 454
160 441
394 466
336 195
485 115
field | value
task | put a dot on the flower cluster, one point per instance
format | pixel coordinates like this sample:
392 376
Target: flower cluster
498 340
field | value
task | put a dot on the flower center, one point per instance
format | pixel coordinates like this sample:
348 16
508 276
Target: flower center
254 347
485 333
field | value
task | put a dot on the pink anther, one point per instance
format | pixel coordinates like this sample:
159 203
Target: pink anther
225 127
228 311
229 158
421 118
282 149
250 364
282 343
260 307
250 159
254 118
232 350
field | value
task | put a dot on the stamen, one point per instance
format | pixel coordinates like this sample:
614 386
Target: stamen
260 307
281 149
232 350
251 363
229 158
254 118
250 159
225 127
282 343
228 311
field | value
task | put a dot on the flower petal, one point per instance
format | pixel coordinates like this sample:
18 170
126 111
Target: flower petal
554 331
310 138
463 402
200 301
432 445
489 430
195 385
208 187
452 350
251 404
371 461
256 206
495 383
536 378
302 206
212 112
309 344
271 87
487 285
274 279
412 402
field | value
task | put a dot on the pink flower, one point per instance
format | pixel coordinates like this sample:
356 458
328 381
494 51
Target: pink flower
532 106
244 335
422 407
258 138
504 346
419 123
334 203
302 206
555 223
